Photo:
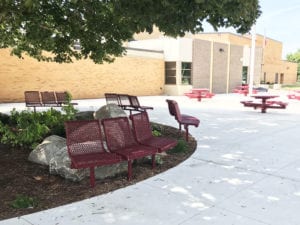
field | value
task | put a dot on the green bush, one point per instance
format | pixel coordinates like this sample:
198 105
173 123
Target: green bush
28 129
156 130
181 147
24 202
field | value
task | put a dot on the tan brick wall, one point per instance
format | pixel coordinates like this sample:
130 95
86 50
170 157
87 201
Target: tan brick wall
268 55
236 67
220 65
201 63
83 79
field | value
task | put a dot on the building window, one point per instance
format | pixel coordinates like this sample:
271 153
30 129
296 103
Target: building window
170 72
186 73
245 75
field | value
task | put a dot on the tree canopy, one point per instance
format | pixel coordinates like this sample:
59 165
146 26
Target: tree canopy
295 57
48 29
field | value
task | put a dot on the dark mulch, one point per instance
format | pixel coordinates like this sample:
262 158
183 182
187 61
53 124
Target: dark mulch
21 177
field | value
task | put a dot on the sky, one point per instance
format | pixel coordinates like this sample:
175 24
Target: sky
280 20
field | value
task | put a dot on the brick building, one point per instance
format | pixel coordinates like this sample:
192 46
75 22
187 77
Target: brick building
83 79
218 61
153 65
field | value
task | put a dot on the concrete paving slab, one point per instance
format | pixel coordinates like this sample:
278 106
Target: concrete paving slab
245 171
217 216
274 201
211 182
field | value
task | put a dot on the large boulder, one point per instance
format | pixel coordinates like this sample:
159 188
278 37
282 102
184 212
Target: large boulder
45 151
60 164
85 115
110 170
109 111
53 152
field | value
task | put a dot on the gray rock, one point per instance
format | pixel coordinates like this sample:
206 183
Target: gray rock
110 170
45 151
85 115
109 111
53 152
60 164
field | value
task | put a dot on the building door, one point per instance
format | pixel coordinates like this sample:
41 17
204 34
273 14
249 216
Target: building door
276 78
281 78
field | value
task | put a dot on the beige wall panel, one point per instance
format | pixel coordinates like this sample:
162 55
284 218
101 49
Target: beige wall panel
83 79
236 67
220 65
201 63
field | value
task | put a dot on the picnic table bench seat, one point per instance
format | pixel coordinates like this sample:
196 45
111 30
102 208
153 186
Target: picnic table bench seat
269 104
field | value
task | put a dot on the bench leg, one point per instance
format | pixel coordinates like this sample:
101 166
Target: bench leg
92 177
153 161
186 127
129 173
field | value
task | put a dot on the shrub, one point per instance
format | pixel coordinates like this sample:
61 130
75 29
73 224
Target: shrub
27 128
181 147
23 202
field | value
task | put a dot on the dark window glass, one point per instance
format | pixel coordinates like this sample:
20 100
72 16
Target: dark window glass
170 72
186 73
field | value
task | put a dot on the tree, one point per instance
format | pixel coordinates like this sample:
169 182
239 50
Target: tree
295 57
48 29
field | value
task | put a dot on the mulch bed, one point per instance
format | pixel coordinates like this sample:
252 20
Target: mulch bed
21 177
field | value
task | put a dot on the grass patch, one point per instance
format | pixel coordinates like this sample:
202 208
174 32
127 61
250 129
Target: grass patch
24 202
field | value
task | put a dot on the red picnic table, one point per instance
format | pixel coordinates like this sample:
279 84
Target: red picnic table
199 93
264 104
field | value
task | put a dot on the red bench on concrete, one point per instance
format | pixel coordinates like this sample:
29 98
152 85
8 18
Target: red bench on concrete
182 119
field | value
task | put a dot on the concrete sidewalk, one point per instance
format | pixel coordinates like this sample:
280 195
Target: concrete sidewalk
245 171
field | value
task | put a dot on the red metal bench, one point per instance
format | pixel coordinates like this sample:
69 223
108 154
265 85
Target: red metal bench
120 140
182 119
126 102
85 146
134 102
143 133
46 99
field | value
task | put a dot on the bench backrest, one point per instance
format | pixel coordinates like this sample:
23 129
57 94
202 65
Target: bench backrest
48 97
141 126
124 100
118 133
83 137
61 97
174 109
134 101
112 98
32 98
